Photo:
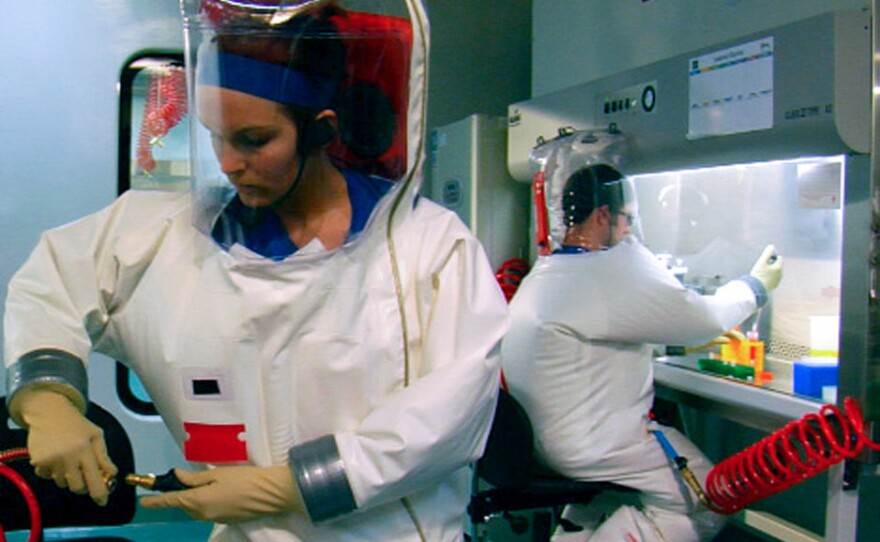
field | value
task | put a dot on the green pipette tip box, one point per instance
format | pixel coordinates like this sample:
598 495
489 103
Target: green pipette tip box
716 366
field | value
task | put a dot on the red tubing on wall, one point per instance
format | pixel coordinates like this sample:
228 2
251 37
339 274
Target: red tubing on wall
798 451
25 489
510 274
542 226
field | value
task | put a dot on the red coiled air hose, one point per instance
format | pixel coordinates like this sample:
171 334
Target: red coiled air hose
25 489
798 451
510 274
165 107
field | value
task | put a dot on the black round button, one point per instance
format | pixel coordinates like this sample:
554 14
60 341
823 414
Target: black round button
649 98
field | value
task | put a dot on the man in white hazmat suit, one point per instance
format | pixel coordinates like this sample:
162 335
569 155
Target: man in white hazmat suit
337 335
578 358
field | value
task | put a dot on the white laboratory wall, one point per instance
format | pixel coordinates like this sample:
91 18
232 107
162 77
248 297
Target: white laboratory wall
576 42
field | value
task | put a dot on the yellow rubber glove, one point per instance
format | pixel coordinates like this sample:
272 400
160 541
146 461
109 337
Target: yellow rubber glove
725 338
232 494
63 445
768 268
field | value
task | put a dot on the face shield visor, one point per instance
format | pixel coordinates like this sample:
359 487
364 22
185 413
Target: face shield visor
347 76
574 175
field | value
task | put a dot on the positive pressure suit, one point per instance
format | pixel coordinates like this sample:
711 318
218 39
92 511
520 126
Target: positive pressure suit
578 357
378 407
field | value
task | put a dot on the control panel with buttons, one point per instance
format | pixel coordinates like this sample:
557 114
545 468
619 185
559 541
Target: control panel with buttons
632 100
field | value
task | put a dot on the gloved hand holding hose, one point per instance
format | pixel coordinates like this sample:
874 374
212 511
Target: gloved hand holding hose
232 494
63 445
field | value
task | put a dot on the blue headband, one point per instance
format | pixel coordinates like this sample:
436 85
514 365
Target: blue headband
269 81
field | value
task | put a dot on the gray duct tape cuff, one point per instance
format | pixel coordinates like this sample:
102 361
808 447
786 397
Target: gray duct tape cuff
761 295
56 369
320 475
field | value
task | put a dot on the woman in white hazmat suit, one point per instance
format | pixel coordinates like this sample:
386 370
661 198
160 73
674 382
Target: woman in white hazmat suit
578 358
337 335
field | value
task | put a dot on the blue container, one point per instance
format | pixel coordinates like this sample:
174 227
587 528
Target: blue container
813 374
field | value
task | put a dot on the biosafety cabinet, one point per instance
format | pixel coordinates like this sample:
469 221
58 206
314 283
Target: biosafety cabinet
766 139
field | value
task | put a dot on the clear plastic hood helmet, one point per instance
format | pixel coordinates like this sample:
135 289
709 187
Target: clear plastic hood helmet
577 174
600 186
350 75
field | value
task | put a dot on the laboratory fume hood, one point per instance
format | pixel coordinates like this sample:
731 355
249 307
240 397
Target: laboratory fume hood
766 139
